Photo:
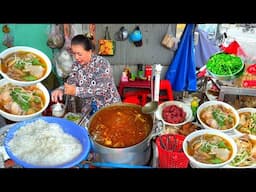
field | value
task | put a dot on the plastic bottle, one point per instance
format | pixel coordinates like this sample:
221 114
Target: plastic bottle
94 107
194 105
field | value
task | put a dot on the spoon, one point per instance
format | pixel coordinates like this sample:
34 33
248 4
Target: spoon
150 107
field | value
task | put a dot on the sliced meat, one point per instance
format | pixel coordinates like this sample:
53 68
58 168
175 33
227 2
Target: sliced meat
36 70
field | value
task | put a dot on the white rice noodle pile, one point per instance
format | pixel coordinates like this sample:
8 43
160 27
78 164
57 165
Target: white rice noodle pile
44 144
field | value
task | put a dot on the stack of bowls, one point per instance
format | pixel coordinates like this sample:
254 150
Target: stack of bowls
41 60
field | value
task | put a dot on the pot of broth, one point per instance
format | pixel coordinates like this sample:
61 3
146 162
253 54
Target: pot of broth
120 133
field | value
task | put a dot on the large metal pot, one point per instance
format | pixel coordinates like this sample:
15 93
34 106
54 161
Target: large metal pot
138 154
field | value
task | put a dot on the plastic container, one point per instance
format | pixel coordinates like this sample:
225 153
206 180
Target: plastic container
148 72
194 105
170 153
68 127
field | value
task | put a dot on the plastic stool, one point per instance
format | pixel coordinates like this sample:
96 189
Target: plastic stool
134 96
132 99
165 85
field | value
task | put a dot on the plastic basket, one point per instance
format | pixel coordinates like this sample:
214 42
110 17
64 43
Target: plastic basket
170 153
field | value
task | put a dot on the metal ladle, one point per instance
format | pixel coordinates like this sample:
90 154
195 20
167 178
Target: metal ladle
150 107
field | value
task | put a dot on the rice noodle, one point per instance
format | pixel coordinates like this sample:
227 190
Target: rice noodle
44 144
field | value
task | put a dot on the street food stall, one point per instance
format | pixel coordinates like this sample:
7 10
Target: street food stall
212 126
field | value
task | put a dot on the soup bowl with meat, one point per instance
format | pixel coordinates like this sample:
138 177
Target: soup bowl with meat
218 115
120 133
24 66
18 103
209 148
174 113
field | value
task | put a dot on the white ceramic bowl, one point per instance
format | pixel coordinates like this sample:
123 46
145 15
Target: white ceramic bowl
210 103
247 109
13 117
243 167
185 107
8 51
198 164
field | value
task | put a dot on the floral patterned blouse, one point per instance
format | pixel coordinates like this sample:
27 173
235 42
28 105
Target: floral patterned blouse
94 81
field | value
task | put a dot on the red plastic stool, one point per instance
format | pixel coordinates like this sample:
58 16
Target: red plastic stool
134 96
132 99
165 86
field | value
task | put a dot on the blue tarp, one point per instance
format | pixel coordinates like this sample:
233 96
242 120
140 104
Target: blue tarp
182 70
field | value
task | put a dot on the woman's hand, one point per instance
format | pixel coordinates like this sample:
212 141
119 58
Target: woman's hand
57 95
69 89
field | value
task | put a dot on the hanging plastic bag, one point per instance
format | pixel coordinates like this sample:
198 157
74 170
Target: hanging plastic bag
63 61
168 39
7 38
56 38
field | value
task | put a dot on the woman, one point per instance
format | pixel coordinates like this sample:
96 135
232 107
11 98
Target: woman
91 77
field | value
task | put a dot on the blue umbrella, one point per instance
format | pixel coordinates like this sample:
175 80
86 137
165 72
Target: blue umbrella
182 69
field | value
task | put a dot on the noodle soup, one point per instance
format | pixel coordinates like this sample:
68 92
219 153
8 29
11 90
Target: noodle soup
18 103
24 66
209 148
218 115
19 100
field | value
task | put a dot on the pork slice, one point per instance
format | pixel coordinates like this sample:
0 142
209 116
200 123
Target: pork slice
36 70
221 153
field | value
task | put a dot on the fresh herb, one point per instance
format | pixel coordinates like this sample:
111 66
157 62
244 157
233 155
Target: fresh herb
20 64
219 117
37 99
21 98
221 144
73 117
206 147
29 78
224 64
36 61
216 160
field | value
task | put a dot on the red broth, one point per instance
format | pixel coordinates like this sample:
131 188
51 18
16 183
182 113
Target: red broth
120 126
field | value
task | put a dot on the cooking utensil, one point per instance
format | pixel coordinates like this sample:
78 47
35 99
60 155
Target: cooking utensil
150 107
80 123
138 154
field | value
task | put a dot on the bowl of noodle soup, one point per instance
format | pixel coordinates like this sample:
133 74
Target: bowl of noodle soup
209 148
218 115
22 65
19 103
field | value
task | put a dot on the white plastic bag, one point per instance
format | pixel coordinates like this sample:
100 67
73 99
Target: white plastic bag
56 37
